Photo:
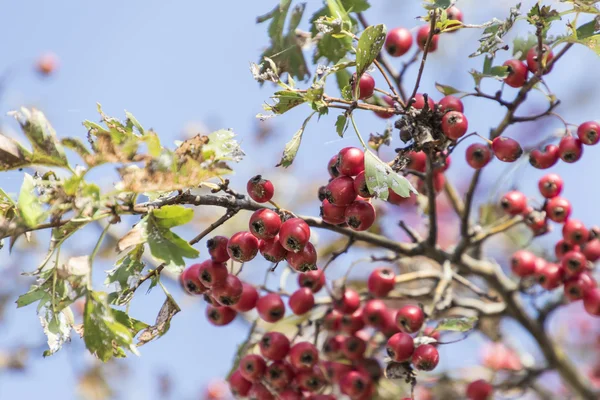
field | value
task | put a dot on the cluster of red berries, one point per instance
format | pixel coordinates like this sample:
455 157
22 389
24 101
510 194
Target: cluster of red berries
346 196
576 252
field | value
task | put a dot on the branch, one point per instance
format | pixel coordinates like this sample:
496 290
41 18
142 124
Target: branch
431 196
425 52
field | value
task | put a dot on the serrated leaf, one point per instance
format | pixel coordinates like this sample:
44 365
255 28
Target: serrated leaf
341 124
170 216
12 154
166 246
291 147
459 324
222 146
285 100
380 177
491 39
134 122
36 293
356 5
57 328
126 273
447 90
134 325
29 204
370 44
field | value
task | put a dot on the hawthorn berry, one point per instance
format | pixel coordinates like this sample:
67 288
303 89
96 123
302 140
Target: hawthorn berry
239 385
578 285
591 301
290 394
589 133
217 248
190 280
331 214
220 316
513 202
400 347
517 73
259 189
366 86
311 380
381 281
258 391
332 321
562 247
351 161
371 367
47 64
230 292
451 103
373 313
303 355
335 371
454 125
550 185
573 262
264 223
591 250
536 221
304 260
396 199
479 390
522 263
432 333
575 232
410 318
294 234
506 149
533 59
558 209
270 307
398 42
352 323
332 346
248 299
425 357
550 276
454 13
242 246
360 186
274 346
356 384
546 158
212 274
360 215
439 180
478 155
279 375
332 167
252 367
417 160
385 100
354 347
340 191
272 250
348 303
314 280
419 102
570 149
423 35
388 326
301 301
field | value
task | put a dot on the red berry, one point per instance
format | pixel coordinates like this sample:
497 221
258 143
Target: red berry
239 385
352 323
258 391
217 248
356 384
432 333
351 161
546 158
536 221
294 234
574 232
533 60
301 301
212 274
570 149
314 280
374 313
303 355
332 321
398 42
591 302
451 103
248 299
311 380
417 160
242 246
558 209
410 318
259 189
47 64
332 346
396 199
550 185
360 186
220 316
371 367
454 13
340 191
523 263
348 303
423 35
272 250
419 102
425 357
454 125
304 260
439 180
331 214
562 247
360 215
443 164
506 149
514 202
274 346
381 281
591 250
388 326
573 262
478 155
589 133
290 394
230 292
480 390
332 167
578 285
270 307
252 367
400 347
279 375
190 280
265 223
366 86
354 347
550 276
517 73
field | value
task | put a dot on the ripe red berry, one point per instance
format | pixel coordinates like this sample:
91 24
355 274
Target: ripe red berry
374 313
517 73
212 274
400 347
381 281
252 367
332 167
217 248
573 263
360 186
366 86
506 149
301 301
259 189
290 394
417 160
230 292
570 149
356 384
578 285
351 161
303 356
480 390
348 303
550 276
332 346
264 223
454 13
522 263
311 380
591 301
419 102
340 191
550 185
47 64
248 299
591 250
352 323
536 221
454 125
190 280
279 375
451 103
513 202
396 199
432 333
220 316
423 35
478 155
270 307
331 214
533 59
274 346
294 234
242 246
388 326
314 280
398 42
589 133
272 250
385 100
425 357
562 247
360 215
332 321
558 209
575 232
439 180
354 347
410 318
304 260
546 158
239 385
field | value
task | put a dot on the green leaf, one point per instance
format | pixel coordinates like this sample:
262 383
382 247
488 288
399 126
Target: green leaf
12 154
131 120
542 16
132 324
36 293
522 45
431 4
291 147
163 322
57 328
222 146
170 216
586 30
447 90
341 125
126 273
285 100
369 45
153 142
332 45
356 5
167 246
459 324
491 40
380 177
30 206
